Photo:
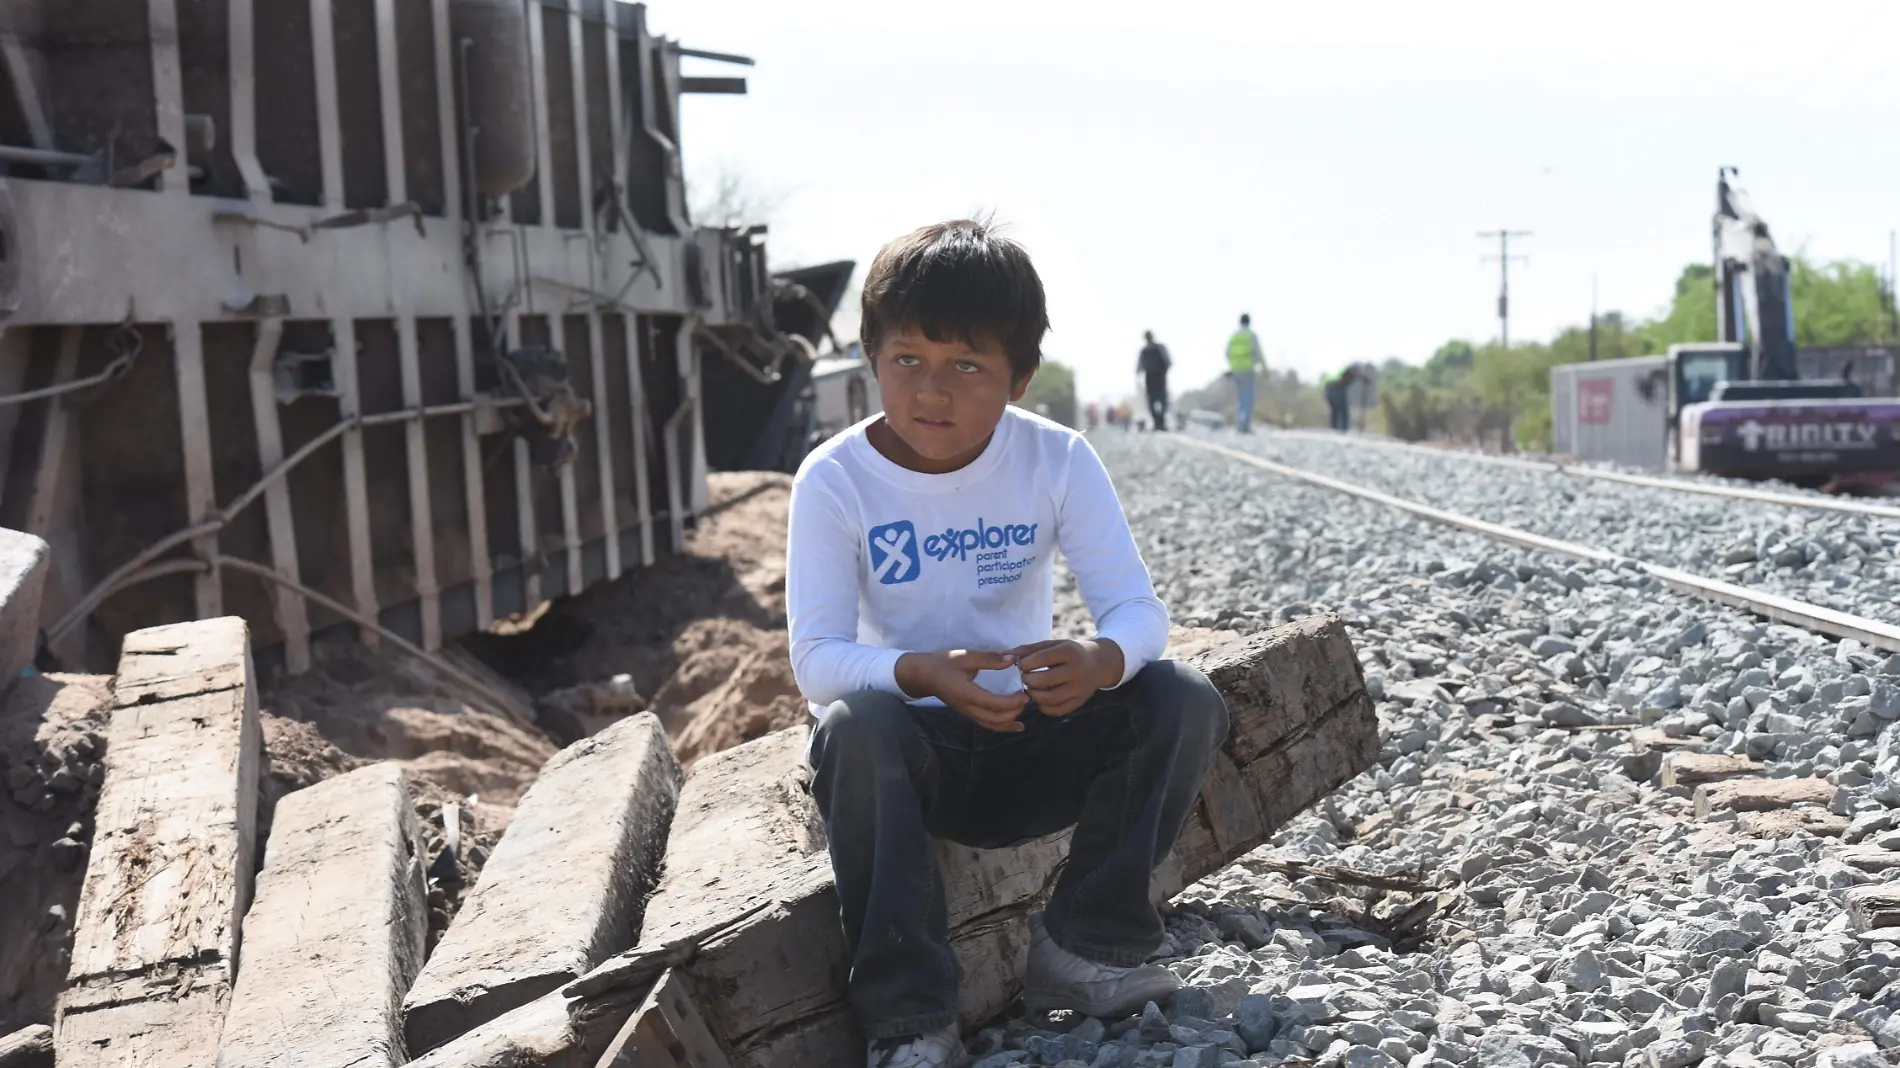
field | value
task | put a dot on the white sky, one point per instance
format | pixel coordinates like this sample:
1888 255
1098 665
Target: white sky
1324 166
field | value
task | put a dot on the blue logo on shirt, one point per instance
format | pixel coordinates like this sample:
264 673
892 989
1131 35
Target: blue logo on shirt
961 543
894 553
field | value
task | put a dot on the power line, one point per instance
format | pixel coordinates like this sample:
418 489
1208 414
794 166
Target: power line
1504 259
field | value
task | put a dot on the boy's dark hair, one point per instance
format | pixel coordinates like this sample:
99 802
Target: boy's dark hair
958 281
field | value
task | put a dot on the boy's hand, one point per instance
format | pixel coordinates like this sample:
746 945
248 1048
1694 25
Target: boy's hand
951 678
1061 675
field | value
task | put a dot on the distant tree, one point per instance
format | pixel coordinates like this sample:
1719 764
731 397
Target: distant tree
1691 314
1450 362
1052 392
728 199
1841 303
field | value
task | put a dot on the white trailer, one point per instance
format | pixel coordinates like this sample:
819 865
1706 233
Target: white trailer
1612 410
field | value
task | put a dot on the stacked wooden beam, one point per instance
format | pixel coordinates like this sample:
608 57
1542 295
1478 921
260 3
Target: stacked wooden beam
155 940
559 957
745 920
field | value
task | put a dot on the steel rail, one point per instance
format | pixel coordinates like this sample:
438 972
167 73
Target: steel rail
1679 485
1781 609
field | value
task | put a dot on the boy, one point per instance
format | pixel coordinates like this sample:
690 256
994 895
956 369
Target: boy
920 594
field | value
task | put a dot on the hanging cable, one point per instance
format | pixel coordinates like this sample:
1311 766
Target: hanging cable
129 343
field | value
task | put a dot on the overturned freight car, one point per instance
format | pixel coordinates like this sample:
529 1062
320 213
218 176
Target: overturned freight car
352 313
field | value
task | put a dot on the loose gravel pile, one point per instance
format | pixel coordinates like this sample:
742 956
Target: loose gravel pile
1841 560
1514 884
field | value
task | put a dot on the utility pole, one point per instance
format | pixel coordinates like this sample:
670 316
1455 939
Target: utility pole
1893 279
1504 259
1593 318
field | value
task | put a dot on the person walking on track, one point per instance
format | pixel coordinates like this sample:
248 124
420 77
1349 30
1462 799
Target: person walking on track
1153 368
1243 359
1336 384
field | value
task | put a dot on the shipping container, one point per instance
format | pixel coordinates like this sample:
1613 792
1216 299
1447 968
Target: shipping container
1615 411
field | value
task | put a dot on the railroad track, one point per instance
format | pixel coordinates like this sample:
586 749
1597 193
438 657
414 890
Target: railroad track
1782 609
1847 505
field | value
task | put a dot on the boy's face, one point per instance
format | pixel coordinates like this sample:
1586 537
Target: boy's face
942 399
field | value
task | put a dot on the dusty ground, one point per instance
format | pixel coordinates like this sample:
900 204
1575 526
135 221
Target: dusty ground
701 633
51 741
357 705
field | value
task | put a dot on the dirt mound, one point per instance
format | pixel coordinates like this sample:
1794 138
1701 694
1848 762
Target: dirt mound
701 634
52 743
357 705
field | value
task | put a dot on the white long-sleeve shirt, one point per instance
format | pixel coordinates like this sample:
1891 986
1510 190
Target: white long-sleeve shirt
883 560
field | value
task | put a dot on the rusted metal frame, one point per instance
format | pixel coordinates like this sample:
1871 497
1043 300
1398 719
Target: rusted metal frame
583 171
527 528
626 23
329 120
168 103
597 360
538 88
15 347
26 81
603 442
55 502
388 78
349 402
526 525
194 420
39 513
570 494
293 617
421 514
396 181
216 521
667 56
355 474
698 498
447 57
346 271
641 429
544 186
241 46
648 49
481 565
676 502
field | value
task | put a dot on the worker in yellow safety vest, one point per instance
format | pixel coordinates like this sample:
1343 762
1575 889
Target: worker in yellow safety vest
1243 359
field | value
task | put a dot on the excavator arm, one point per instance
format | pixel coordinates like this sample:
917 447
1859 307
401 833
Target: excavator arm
1754 304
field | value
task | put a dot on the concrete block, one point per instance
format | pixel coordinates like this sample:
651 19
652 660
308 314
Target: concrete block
336 933
565 887
1694 769
23 561
155 938
1760 795
1874 906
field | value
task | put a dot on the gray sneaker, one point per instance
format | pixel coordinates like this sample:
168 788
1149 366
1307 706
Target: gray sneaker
1058 979
938 1049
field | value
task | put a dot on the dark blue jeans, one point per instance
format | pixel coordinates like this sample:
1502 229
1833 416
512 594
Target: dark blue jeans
1340 414
1124 770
